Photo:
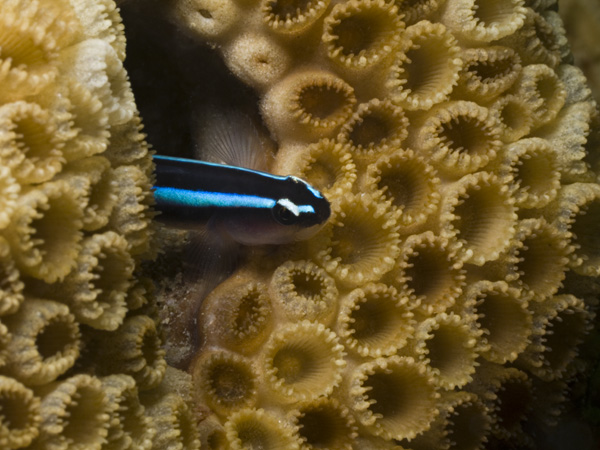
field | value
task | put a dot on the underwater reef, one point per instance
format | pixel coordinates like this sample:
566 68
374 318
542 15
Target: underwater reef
79 345
449 303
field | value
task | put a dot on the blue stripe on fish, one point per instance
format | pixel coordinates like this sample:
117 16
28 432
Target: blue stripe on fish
252 207
205 199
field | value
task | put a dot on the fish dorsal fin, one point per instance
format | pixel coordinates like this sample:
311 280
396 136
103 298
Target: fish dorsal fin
231 138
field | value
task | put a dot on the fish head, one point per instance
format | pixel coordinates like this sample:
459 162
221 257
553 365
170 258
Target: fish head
297 212
301 209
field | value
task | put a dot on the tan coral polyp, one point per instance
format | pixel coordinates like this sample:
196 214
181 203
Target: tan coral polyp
11 286
578 210
394 398
375 126
409 183
458 137
488 72
45 342
501 313
429 272
29 142
257 59
256 428
302 361
479 212
238 314
514 117
101 20
327 165
292 17
463 423
131 216
538 257
375 320
560 325
510 394
225 381
360 243
535 172
212 434
136 349
75 414
129 426
5 338
417 10
90 120
30 38
468 422
304 291
45 232
98 285
542 88
9 191
448 344
307 104
426 67
537 41
324 423
211 19
101 194
360 33
483 20
128 145
19 424
96 65
176 426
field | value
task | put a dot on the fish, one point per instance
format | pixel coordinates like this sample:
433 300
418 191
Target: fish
250 207
228 203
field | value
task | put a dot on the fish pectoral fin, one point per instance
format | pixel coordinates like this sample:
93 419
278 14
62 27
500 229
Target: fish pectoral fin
230 137
209 258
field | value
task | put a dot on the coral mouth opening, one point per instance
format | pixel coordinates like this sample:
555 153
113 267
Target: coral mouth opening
322 102
84 423
374 129
465 135
21 49
585 234
55 338
491 12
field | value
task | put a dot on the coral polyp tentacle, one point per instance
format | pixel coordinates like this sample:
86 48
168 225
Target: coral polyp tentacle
395 398
303 361
360 242
375 320
426 69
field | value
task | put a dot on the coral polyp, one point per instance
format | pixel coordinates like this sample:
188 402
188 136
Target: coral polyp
445 304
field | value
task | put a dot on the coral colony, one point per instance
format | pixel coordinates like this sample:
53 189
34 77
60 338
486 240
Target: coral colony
442 307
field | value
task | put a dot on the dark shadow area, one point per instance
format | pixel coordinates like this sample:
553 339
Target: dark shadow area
174 77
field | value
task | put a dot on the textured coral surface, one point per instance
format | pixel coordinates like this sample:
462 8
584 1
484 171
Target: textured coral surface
80 355
446 303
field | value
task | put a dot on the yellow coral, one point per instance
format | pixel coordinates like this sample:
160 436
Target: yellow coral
74 414
45 344
505 190
458 148
70 224
129 426
20 414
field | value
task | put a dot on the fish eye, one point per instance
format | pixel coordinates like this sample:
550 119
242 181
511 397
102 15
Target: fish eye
283 214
